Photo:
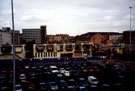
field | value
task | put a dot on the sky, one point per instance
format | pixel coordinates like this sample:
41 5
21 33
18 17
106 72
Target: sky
73 17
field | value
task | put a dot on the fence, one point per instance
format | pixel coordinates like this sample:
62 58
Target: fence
58 60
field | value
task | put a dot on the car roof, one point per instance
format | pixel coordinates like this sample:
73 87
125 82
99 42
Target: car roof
53 66
42 83
71 80
81 87
92 77
81 79
62 81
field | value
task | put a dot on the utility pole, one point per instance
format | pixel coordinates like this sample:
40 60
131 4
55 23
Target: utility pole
130 27
13 40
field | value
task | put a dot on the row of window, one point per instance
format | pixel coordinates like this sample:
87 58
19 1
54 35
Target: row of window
45 54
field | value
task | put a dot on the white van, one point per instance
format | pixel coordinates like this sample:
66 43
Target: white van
92 80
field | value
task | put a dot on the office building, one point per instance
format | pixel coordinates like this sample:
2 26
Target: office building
36 35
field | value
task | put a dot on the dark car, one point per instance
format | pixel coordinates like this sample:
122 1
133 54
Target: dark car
93 88
38 72
72 83
5 88
83 82
2 79
84 70
32 75
105 87
53 86
46 71
59 75
82 89
63 84
40 66
75 72
18 87
71 88
43 86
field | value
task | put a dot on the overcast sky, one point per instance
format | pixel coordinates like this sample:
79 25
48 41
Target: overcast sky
73 17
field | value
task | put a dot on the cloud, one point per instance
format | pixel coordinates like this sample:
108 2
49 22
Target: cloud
108 17
69 16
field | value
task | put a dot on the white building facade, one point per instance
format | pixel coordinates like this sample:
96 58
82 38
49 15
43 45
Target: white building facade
5 37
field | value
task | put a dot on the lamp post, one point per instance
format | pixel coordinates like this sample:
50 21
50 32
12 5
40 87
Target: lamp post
130 26
13 40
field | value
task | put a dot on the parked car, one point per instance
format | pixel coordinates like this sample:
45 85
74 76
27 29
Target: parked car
59 74
83 69
33 66
4 88
54 69
72 82
71 88
83 82
2 79
18 87
40 66
27 85
32 75
92 80
46 71
62 70
105 87
63 84
93 88
53 85
27 66
75 72
30 86
67 73
22 76
43 86
81 88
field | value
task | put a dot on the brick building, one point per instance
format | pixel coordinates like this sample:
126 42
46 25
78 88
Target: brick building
59 38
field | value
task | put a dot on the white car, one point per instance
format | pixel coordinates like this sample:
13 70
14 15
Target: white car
54 69
67 73
62 70
92 80
22 76
27 66
18 87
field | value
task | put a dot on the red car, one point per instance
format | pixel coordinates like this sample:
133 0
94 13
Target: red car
27 85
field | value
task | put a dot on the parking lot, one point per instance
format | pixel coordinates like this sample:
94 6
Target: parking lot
72 76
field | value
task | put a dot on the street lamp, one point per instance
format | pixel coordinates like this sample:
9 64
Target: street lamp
12 10
130 26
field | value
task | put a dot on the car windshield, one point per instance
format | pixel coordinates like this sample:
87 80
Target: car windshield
83 89
83 81
54 68
64 84
94 79
72 83
17 88
53 84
